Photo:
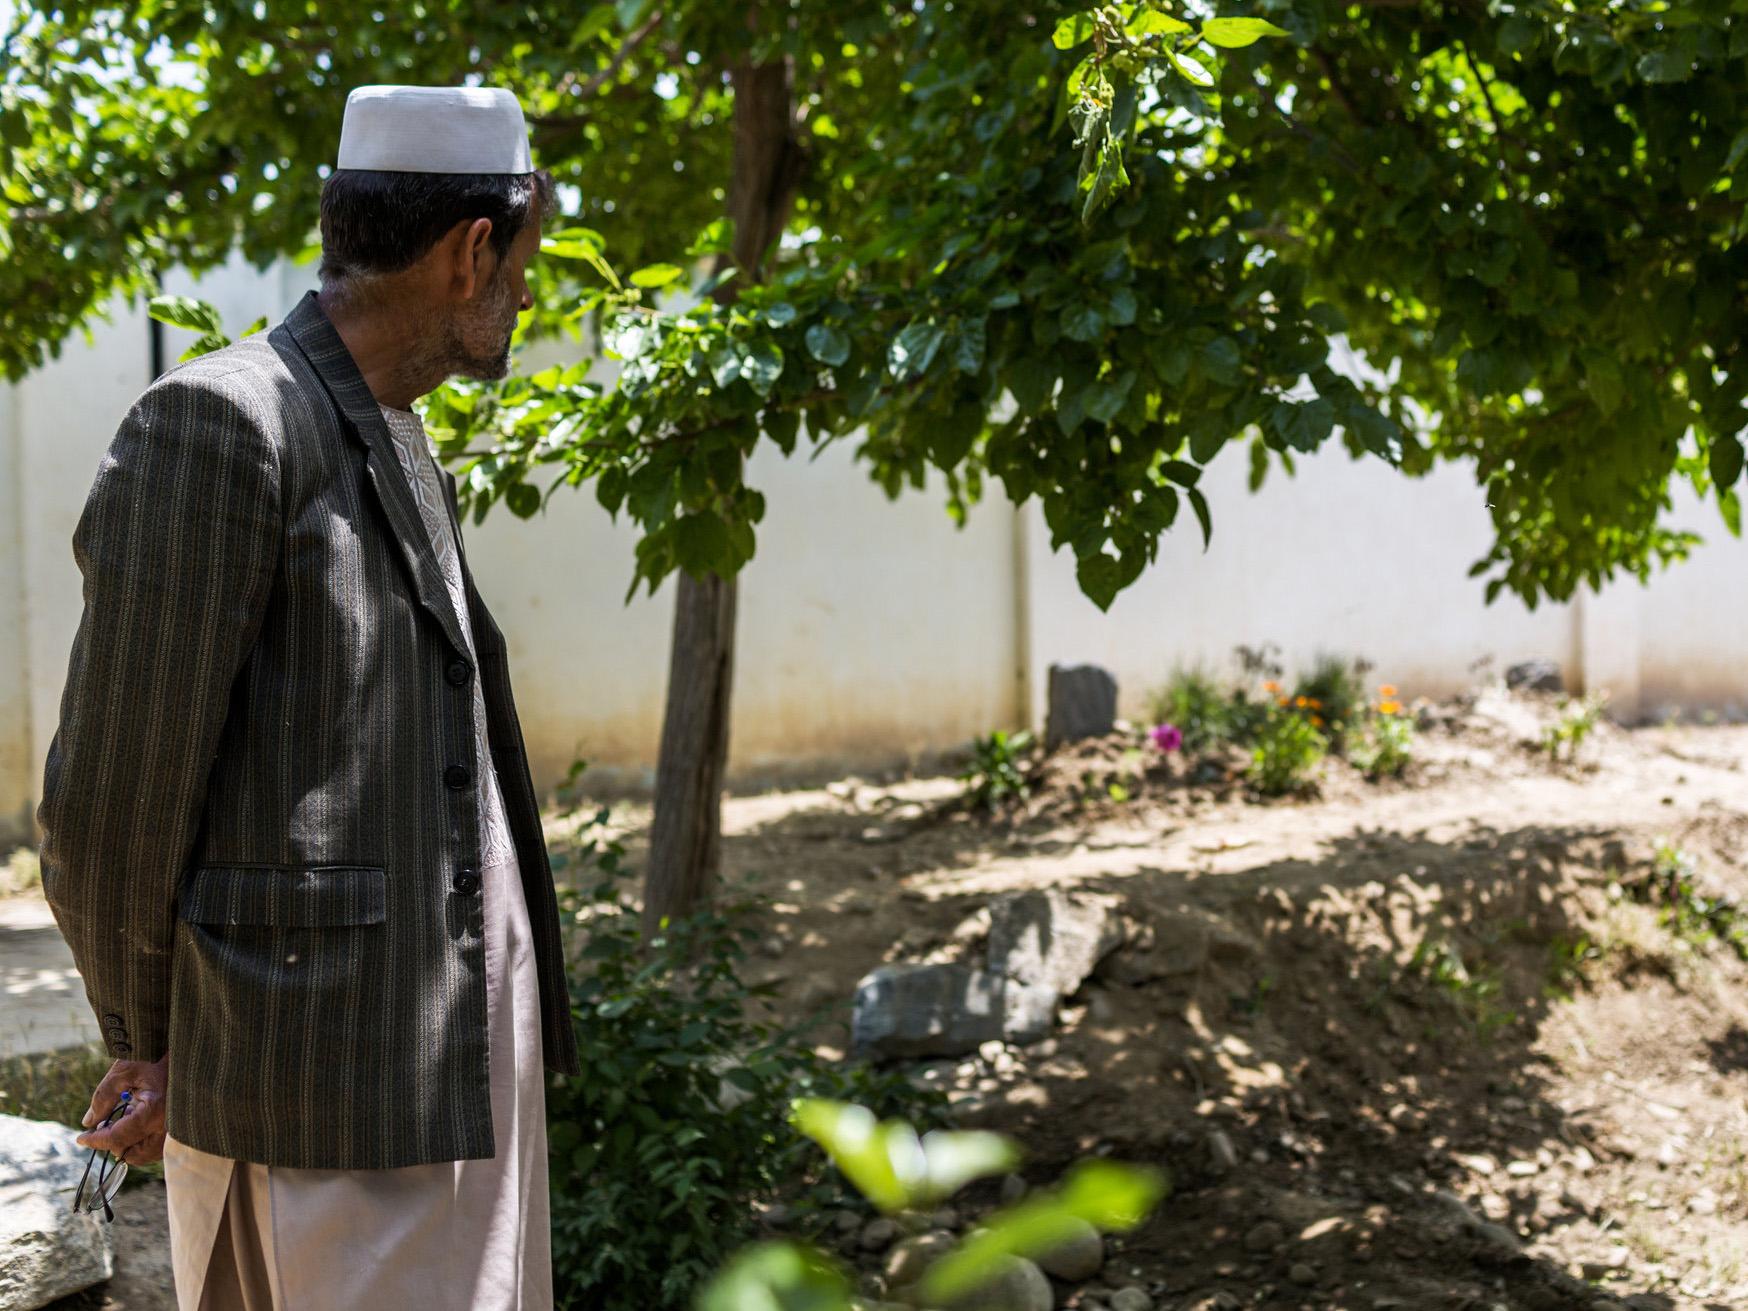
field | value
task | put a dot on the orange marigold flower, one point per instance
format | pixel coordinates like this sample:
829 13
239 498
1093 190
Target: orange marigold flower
1389 707
1302 702
1314 703
1283 702
1271 686
1387 691
1317 720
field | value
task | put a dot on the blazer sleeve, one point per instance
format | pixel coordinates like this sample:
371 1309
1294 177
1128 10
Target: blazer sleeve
178 544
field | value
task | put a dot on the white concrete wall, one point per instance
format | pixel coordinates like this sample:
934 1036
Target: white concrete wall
1345 557
873 630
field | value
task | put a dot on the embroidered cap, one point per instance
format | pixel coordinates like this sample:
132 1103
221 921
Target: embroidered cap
434 129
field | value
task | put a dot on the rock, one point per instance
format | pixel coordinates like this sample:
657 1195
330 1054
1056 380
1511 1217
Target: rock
1028 1010
47 1251
1016 1285
945 1218
1131 1299
1221 1153
906 1262
1535 676
878 1235
1079 1257
1264 1237
1013 1188
1083 703
925 1010
1302 1274
845 1222
1049 938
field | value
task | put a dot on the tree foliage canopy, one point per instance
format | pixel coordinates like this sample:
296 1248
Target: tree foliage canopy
1080 249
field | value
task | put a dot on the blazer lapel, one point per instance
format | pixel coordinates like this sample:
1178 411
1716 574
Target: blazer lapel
317 338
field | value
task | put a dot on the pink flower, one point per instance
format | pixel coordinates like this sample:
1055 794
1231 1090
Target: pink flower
1167 737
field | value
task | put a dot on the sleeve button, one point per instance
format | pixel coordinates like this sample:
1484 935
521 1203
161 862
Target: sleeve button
457 673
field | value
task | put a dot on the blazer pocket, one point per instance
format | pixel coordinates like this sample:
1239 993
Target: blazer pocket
292 897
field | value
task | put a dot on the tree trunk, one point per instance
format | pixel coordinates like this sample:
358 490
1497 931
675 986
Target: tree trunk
685 849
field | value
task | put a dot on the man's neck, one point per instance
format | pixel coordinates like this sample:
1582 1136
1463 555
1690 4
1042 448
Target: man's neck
393 368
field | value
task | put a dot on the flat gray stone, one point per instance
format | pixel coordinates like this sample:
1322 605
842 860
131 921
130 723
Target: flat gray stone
47 1251
1082 703
925 1010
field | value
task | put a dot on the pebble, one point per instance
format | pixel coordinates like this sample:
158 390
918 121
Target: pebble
1131 1299
1078 1257
846 1222
906 1262
1302 1274
1221 1151
1013 1188
1264 1237
1017 1285
878 1235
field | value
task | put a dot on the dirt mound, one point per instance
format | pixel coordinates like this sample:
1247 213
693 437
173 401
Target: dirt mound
1478 1039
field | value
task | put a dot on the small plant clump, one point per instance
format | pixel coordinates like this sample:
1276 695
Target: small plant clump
997 772
1473 990
1565 737
1337 686
1290 745
1685 911
1382 746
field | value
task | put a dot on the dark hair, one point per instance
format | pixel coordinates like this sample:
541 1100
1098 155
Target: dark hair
380 222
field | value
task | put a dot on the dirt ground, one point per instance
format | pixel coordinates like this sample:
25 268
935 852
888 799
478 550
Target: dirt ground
1410 1045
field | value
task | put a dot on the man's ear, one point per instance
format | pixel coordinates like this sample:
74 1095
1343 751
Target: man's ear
472 262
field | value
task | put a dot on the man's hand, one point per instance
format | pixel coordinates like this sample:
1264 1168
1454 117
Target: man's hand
138 1136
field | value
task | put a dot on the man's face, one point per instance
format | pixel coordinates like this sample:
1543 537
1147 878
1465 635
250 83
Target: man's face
477 335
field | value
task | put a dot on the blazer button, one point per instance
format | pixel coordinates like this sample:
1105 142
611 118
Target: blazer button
466 881
457 673
121 1048
456 776
111 1018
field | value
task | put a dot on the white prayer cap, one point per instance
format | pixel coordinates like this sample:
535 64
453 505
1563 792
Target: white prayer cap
434 129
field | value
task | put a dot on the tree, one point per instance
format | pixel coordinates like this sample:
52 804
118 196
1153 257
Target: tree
1080 250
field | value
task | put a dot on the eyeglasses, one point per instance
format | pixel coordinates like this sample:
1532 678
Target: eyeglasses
109 1174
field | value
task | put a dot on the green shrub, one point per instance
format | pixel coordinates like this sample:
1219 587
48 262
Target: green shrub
997 770
1205 712
678 1121
1289 748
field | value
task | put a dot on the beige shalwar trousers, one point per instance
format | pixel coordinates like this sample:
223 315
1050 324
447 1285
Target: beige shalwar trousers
450 1236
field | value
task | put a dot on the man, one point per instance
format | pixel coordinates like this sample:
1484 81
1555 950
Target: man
289 829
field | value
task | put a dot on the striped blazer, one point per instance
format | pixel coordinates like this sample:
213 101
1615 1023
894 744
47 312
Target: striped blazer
261 830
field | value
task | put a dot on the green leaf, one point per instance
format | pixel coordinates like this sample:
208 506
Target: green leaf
1738 148
1082 322
1303 426
828 345
884 1160
762 366
1670 64
1726 461
777 1276
913 350
1150 22
523 499
657 275
1104 1194
1193 70
1236 33
185 312
1071 31
1221 360
1199 504
700 541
